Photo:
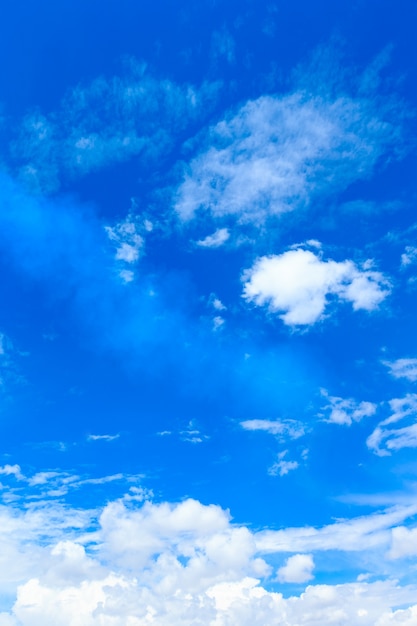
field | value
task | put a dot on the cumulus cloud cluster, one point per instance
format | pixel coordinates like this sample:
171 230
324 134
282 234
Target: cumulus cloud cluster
184 563
299 283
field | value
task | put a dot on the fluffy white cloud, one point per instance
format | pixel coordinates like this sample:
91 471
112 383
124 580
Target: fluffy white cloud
277 153
298 283
184 563
403 368
346 410
385 439
297 569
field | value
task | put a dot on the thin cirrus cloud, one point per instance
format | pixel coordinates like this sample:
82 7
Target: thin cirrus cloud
107 121
277 153
297 285
385 439
291 429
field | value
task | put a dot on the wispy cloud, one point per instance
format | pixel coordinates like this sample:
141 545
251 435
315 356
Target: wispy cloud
346 410
298 284
384 439
282 467
277 153
217 239
108 121
280 428
403 368
103 437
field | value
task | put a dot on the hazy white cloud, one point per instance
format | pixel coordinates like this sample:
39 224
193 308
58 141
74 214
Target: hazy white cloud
282 428
277 153
217 239
297 569
385 439
282 467
346 410
409 256
403 368
109 121
216 303
298 285
126 239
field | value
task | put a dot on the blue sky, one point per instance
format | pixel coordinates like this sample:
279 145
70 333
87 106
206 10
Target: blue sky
208 357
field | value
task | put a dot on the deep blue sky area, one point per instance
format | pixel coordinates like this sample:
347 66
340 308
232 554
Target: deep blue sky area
208 356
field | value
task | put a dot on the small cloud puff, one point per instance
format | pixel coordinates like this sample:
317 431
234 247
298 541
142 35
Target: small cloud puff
409 256
282 467
297 285
346 410
127 240
297 569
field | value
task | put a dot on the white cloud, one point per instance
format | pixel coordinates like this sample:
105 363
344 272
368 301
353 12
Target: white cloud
404 542
285 428
282 467
297 569
346 410
217 239
298 283
103 437
352 535
277 153
384 440
403 368
218 322
126 239
216 303
186 563
12 470
409 257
